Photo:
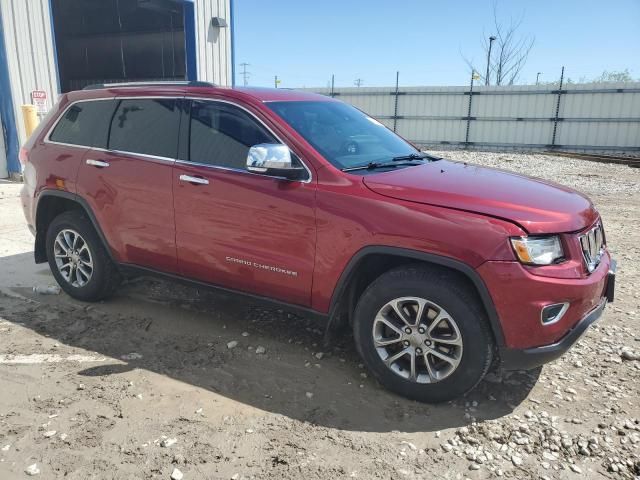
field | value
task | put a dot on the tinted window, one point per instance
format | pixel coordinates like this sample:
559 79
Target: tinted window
146 126
85 123
222 134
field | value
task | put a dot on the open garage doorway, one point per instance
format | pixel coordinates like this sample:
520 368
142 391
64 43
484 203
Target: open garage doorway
108 41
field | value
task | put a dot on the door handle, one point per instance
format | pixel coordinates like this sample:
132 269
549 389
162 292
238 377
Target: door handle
97 163
192 179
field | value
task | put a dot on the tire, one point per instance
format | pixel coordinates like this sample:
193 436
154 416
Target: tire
462 324
104 277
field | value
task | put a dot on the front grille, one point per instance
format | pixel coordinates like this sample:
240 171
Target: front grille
592 244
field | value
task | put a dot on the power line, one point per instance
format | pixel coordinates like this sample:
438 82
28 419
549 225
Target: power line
245 74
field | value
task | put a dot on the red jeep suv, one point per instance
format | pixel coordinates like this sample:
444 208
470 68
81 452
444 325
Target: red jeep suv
442 269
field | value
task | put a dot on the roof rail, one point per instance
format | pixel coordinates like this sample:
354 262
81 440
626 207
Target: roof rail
170 83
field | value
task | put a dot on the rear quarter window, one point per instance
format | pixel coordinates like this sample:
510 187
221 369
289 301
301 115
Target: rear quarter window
85 124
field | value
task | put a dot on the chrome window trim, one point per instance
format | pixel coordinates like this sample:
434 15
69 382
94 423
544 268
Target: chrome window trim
175 160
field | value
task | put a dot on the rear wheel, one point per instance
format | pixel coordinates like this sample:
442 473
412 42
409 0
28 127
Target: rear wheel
423 334
78 259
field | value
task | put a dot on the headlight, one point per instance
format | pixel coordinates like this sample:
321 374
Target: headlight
538 250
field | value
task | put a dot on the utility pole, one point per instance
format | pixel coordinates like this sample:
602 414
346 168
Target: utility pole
245 74
358 82
276 81
486 77
333 80
538 77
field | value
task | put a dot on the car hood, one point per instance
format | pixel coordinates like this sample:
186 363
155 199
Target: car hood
536 205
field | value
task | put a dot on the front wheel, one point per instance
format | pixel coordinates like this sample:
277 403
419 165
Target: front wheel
423 334
78 259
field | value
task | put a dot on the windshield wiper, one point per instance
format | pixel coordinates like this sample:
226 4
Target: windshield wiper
373 165
415 156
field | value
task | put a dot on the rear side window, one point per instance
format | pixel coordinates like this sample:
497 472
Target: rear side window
85 124
147 126
222 134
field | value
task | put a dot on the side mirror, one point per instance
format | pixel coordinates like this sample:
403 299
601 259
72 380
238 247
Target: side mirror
275 160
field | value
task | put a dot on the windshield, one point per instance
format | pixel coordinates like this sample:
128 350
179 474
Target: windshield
344 135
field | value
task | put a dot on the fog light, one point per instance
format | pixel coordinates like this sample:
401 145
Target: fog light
553 313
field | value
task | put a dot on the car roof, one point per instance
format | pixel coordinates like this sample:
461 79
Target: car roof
260 94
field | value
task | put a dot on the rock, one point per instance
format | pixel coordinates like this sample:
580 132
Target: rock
6 448
575 468
446 447
261 350
516 460
474 466
131 356
32 470
245 334
232 344
409 444
49 434
319 355
81 386
167 442
179 459
309 395
63 436
629 355
176 474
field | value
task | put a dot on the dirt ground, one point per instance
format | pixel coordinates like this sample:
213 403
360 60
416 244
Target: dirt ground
145 385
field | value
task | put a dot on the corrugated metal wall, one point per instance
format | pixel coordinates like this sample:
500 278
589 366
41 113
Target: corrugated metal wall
599 117
30 52
213 44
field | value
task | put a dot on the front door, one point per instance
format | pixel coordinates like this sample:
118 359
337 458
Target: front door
237 229
128 184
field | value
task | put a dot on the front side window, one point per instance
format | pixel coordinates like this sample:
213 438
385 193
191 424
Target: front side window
222 134
85 124
342 134
146 126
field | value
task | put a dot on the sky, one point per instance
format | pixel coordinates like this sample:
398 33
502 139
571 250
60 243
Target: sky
304 42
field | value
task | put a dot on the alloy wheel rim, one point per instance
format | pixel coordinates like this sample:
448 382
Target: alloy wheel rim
417 339
73 258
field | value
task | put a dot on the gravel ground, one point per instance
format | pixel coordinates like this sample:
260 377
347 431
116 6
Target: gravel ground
167 381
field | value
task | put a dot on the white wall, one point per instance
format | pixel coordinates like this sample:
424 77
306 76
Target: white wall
594 117
213 44
30 53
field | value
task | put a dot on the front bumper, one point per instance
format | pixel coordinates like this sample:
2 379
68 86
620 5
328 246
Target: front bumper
528 358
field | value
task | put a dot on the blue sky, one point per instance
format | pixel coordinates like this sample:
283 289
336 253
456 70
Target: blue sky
305 41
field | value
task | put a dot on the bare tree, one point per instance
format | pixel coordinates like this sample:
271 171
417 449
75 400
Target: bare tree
509 52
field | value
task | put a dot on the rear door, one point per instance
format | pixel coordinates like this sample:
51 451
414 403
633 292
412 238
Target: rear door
234 228
128 181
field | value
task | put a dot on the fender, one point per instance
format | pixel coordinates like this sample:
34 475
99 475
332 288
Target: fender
39 254
466 270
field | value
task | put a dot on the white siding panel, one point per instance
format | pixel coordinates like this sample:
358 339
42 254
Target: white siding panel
30 53
213 44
